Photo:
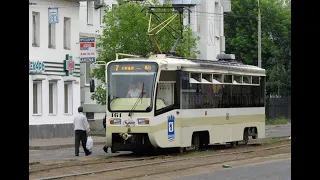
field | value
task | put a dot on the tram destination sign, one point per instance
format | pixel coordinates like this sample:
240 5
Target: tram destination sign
133 67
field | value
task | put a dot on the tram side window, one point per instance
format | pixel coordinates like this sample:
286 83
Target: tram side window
236 96
245 96
167 97
226 96
255 96
201 96
262 91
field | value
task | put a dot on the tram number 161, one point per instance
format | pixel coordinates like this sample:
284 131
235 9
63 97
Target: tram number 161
115 114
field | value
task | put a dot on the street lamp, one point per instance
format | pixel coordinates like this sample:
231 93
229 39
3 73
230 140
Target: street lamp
259 35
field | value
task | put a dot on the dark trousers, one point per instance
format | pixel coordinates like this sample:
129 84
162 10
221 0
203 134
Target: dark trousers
81 136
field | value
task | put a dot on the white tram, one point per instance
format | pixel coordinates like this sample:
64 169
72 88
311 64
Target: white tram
170 102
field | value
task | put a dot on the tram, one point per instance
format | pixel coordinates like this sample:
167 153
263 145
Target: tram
171 102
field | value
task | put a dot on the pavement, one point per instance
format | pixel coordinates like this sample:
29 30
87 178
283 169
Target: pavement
63 148
58 143
283 130
272 170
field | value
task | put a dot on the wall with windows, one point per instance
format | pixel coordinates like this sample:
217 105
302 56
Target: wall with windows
52 101
54 96
91 25
53 42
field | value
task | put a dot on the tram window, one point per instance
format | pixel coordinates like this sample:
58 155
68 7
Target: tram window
255 79
200 96
196 76
207 77
247 79
236 96
217 77
207 97
245 96
262 91
226 96
255 96
165 95
237 79
227 79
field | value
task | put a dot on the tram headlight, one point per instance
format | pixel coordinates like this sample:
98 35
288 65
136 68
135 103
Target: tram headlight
115 121
143 121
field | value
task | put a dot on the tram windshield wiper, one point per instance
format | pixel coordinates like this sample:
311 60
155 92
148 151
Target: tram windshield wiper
139 98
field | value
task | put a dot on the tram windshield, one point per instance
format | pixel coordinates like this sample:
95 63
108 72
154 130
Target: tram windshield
131 86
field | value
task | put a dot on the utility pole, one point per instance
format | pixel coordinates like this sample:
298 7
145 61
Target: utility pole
259 35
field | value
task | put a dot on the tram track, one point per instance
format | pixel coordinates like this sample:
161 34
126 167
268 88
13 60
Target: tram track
121 158
169 160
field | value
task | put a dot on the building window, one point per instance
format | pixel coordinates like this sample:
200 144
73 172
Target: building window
37 99
88 71
53 97
90 7
90 115
35 29
67 33
52 36
102 13
68 98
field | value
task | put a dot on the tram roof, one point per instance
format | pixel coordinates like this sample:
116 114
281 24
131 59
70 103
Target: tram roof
196 64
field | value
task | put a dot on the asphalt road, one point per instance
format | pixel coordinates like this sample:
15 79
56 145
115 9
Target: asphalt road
37 155
278 131
66 153
274 170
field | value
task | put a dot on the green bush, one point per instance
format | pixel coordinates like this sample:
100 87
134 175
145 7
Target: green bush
281 120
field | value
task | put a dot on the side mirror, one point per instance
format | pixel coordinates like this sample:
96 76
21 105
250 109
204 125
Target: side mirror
92 87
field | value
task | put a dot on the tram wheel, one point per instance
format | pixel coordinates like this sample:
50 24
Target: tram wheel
181 149
234 144
105 149
245 137
112 150
196 141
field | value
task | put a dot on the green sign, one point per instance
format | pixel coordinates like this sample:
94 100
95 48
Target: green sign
36 67
68 65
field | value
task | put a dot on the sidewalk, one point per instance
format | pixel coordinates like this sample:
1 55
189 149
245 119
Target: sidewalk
58 143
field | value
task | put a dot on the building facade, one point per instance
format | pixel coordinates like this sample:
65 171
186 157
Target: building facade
91 25
59 83
54 70
205 20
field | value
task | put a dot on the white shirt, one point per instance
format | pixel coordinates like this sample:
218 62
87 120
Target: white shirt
80 122
134 93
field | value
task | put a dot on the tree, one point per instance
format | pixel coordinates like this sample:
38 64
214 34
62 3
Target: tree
241 28
126 32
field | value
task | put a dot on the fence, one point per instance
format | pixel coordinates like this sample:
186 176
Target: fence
278 108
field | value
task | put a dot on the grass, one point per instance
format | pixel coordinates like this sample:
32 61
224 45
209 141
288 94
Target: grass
277 121
266 141
274 140
97 134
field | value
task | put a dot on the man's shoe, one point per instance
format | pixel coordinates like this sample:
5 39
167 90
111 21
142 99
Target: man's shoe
105 149
89 153
77 154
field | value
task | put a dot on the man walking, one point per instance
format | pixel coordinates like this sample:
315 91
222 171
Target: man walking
104 122
81 128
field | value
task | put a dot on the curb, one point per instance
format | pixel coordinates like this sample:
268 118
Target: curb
58 146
